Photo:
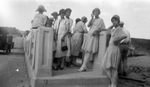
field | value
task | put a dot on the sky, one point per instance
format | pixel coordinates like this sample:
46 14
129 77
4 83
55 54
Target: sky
134 13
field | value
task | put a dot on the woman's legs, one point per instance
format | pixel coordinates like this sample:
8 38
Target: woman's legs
112 74
108 72
114 77
85 60
73 60
62 63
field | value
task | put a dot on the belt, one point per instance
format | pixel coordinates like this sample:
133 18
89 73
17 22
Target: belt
34 27
125 43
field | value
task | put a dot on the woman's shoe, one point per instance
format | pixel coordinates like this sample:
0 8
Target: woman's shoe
61 68
67 64
55 68
82 69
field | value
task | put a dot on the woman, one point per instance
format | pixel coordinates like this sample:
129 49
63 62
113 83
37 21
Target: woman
62 39
70 23
90 44
55 24
77 39
77 20
39 19
112 54
49 22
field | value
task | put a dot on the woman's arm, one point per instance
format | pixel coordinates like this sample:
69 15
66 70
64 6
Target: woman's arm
108 29
100 30
91 21
85 29
119 39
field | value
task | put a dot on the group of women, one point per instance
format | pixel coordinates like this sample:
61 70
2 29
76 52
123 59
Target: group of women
69 44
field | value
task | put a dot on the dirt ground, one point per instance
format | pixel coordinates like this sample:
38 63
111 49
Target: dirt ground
13 70
139 69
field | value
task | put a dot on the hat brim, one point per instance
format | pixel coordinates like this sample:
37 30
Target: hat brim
115 18
44 10
54 14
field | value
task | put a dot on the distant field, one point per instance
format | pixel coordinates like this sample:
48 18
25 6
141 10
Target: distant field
141 43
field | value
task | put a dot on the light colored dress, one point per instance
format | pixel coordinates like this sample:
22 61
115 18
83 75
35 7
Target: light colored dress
61 31
39 20
68 37
91 42
55 26
77 38
70 22
112 54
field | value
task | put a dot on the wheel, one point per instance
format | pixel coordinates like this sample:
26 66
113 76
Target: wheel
6 49
12 44
9 50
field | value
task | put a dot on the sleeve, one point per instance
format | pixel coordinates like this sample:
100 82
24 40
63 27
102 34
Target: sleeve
101 24
119 33
43 20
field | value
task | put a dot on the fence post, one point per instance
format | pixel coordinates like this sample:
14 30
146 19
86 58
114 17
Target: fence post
44 52
100 57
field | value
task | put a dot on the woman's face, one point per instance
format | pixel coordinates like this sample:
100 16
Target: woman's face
85 20
55 16
68 13
96 12
62 15
115 22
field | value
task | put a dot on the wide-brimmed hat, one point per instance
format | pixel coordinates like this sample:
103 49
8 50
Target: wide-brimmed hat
115 16
41 8
55 13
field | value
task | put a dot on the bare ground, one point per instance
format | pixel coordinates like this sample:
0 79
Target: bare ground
13 71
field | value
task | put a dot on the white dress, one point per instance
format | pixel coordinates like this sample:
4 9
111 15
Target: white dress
112 54
77 38
91 42
61 31
68 37
39 20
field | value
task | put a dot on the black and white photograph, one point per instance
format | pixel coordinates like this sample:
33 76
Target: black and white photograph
75 43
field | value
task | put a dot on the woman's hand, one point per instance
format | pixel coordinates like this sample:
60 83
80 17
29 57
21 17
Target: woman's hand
95 33
92 16
116 43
